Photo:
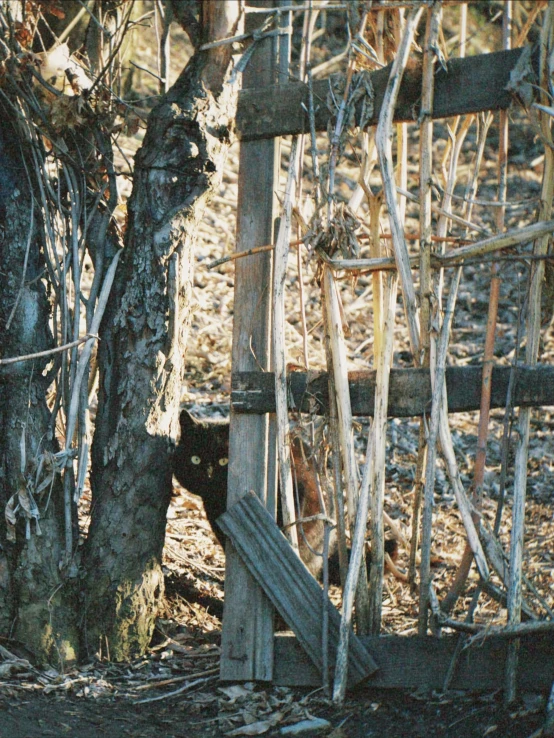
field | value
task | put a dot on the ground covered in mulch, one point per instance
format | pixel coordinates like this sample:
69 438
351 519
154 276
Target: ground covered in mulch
174 690
146 699
374 714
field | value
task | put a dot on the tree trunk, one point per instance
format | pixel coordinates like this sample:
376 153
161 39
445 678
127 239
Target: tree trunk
34 607
141 346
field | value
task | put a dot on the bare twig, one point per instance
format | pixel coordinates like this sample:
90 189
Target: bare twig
531 353
375 469
24 270
50 352
425 282
344 413
383 141
242 254
279 352
185 688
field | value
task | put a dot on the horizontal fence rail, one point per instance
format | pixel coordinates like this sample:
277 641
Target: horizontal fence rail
470 85
409 392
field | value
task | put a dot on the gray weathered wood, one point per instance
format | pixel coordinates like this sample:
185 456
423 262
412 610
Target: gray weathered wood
412 662
247 636
286 581
409 393
470 85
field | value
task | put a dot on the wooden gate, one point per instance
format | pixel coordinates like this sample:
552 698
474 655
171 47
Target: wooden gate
260 565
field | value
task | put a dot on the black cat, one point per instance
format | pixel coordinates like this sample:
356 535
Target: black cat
200 465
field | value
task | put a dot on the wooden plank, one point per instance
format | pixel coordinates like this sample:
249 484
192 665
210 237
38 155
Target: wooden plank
247 635
468 85
409 392
286 581
412 662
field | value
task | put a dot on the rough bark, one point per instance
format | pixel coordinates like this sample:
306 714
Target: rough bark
141 348
34 601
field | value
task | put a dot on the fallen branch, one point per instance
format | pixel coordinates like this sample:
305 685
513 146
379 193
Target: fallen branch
185 688
534 627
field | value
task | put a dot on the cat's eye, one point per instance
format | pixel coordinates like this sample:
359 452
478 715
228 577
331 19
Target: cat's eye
195 459
224 461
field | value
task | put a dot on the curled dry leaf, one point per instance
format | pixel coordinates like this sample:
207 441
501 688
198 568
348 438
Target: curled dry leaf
236 691
258 728
67 112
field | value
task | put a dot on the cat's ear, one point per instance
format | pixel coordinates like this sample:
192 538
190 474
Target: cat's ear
187 422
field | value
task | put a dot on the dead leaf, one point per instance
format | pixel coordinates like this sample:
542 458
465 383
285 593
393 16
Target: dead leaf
259 728
235 691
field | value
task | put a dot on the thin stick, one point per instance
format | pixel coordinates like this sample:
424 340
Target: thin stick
177 679
24 270
185 688
418 499
361 518
463 570
334 439
533 338
426 166
362 236
445 213
279 354
522 37
499 242
484 121
436 402
344 411
375 203
164 48
242 254
533 627
384 148
383 142
335 141
376 471
297 8
305 51
426 286
85 353
341 668
455 257
50 352
384 335
325 613
488 358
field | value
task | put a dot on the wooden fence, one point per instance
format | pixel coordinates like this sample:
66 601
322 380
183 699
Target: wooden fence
257 576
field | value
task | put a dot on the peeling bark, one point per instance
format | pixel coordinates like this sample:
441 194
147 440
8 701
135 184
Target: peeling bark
35 606
141 349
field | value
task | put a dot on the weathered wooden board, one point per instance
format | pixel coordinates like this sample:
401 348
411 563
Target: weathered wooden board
409 393
247 637
411 662
289 585
468 85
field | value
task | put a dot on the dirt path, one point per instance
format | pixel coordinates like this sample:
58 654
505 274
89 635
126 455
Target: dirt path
32 715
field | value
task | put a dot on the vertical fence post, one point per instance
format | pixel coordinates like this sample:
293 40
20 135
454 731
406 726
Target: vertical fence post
247 637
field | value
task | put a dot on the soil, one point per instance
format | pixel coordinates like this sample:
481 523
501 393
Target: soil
369 713
174 690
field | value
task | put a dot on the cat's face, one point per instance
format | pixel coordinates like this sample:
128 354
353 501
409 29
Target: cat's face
201 457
